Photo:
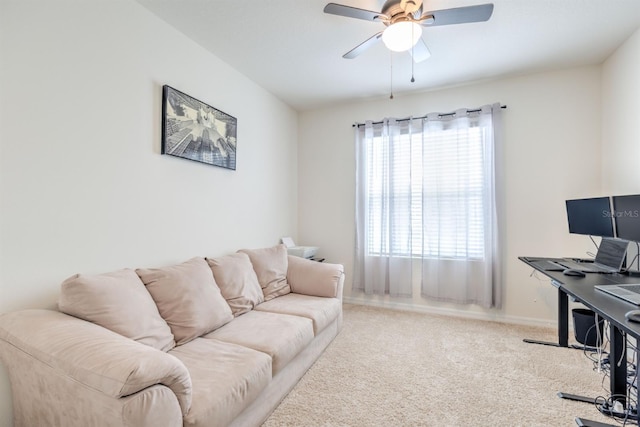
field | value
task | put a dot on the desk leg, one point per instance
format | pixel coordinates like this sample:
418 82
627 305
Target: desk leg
578 398
563 341
590 423
563 318
563 323
618 379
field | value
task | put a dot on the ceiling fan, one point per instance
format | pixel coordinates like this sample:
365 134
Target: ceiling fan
404 20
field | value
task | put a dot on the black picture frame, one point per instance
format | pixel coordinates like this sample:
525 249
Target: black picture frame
194 130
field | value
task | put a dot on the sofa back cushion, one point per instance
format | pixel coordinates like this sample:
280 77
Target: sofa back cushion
117 301
187 298
270 265
237 281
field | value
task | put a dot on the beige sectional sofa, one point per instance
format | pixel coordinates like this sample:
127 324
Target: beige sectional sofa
209 342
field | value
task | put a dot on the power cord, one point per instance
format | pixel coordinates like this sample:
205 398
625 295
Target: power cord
534 274
594 244
612 406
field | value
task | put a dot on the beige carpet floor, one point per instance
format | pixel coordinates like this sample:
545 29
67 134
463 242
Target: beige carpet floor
394 368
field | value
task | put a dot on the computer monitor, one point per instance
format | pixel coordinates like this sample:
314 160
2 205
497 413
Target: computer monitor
590 216
626 213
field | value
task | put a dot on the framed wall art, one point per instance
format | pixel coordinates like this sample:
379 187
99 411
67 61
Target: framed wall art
196 131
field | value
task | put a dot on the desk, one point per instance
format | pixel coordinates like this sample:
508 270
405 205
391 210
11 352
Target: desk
582 287
610 308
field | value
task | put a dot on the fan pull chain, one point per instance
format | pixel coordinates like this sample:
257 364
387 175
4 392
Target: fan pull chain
391 82
412 57
412 78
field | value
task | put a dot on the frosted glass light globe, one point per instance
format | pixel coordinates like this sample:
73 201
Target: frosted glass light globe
401 36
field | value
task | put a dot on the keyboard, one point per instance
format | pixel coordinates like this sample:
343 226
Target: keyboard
584 267
632 288
547 265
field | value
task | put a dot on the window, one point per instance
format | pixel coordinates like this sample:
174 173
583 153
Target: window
425 192
426 208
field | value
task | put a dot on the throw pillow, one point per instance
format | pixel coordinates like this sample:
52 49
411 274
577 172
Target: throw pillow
119 302
270 265
188 298
237 281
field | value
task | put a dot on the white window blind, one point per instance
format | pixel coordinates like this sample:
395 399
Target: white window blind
425 192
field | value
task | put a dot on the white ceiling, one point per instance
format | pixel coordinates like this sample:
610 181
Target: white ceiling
294 50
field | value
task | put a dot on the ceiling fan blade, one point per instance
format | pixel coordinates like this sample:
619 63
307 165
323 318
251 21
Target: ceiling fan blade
363 46
420 51
459 15
353 12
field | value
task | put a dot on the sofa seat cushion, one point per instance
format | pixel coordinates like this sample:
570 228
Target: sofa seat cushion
281 336
226 378
322 311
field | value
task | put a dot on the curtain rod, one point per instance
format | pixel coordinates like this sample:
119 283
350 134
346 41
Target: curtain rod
423 117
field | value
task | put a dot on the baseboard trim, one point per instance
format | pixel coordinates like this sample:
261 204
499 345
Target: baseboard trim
392 305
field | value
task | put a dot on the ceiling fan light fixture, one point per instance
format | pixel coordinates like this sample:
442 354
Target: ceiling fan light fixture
401 36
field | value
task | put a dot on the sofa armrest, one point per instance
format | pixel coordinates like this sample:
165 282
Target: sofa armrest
94 356
315 278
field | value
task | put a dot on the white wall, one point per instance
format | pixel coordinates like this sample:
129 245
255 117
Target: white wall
621 112
552 153
83 187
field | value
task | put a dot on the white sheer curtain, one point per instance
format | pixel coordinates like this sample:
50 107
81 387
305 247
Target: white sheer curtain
382 266
426 207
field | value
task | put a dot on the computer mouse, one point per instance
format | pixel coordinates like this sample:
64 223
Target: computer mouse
572 272
633 316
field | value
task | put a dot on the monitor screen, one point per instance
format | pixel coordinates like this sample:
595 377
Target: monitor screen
590 216
626 213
